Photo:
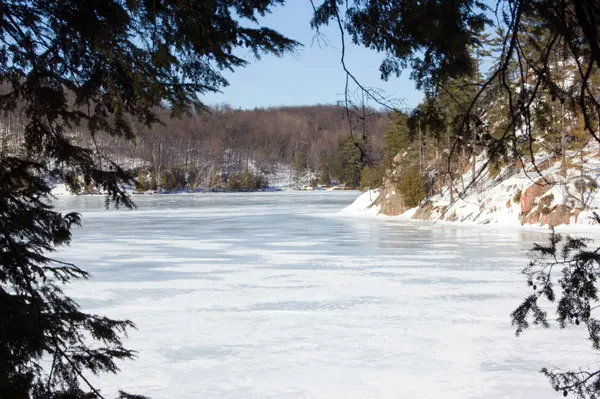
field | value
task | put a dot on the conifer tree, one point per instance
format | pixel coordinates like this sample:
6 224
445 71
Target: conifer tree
350 163
397 138
103 66
299 168
233 183
153 181
324 177
141 183
411 186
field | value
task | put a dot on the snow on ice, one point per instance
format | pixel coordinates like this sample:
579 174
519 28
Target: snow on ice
283 300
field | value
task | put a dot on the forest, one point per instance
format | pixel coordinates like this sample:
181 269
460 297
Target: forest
220 146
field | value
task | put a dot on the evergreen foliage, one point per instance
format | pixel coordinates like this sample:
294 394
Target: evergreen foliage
324 177
411 186
432 37
233 182
215 179
299 168
141 184
153 185
103 65
350 162
249 181
397 138
574 292
371 178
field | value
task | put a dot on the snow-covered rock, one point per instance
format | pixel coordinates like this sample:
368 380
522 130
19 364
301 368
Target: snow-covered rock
537 195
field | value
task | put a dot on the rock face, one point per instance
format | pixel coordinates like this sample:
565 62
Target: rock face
560 215
536 206
429 211
424 212
531 218
390 200
533 192
513 199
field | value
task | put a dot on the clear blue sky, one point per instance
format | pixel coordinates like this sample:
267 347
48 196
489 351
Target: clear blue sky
313 76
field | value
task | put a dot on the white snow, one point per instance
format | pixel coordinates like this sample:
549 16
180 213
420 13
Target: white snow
61 189
363 205
291 302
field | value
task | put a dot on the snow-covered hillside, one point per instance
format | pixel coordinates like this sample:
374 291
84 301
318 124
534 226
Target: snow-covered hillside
534 194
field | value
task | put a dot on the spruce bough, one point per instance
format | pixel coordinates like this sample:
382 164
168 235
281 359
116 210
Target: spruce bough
103 66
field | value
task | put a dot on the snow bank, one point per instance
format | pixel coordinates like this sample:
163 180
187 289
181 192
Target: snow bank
61 189
363 205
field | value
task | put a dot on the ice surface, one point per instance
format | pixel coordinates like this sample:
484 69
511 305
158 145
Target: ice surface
269 295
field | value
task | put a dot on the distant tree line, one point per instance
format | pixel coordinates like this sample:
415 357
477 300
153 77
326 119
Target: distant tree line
223 146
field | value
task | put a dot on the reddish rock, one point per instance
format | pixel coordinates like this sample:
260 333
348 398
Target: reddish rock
532 218
560 215
533 192
390 200
546 200
519 164
508 204
576 213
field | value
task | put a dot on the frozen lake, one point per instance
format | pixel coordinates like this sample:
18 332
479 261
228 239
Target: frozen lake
273 295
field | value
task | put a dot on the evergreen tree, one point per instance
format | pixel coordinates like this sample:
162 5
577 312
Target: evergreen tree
153 182
141 183
574 293
397 138
249 181
100 65
370 178
299 168
365 178
165 180
411 186
215 179
350 164
324 177
233 183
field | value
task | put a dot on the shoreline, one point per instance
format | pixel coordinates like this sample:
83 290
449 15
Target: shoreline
358 210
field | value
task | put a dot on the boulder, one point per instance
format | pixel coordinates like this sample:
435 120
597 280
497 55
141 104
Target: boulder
531 218
559 215
424 212
546 200
391 203
390 200
533 192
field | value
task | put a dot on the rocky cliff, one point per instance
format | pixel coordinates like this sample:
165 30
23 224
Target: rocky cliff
539 193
